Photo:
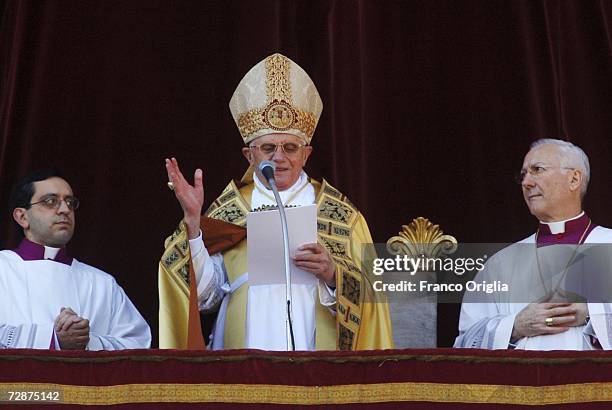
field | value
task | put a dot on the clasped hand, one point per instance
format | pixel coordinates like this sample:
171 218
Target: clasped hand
72 330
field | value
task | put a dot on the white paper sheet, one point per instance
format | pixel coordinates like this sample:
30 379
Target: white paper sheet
265 256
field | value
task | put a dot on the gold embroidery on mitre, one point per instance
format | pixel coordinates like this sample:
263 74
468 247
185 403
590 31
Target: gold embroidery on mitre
279 116
278 86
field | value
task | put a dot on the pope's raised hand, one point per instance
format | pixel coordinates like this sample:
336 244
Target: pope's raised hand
191 197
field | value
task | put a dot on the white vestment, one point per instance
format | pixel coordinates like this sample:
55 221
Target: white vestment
266 307
34 291
490 325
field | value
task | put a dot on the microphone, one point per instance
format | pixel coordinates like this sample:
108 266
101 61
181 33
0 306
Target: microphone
267 169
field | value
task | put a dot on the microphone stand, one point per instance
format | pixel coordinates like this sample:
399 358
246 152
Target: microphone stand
281 210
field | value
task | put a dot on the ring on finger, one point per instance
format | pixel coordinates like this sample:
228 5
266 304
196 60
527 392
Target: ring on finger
171 186
549 321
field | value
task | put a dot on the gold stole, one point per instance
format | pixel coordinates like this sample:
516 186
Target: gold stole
179 319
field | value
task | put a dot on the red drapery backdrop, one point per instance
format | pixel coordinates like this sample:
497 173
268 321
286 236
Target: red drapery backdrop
429 108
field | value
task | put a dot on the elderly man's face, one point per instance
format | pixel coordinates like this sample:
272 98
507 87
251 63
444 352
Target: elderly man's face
551 191
289 165
44 225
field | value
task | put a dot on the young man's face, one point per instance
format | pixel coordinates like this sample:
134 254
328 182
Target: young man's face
44 224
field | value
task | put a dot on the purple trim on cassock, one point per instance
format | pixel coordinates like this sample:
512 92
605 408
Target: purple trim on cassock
573 232
52 344
30 251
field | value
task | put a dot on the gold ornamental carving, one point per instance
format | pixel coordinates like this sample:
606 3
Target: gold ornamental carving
421 238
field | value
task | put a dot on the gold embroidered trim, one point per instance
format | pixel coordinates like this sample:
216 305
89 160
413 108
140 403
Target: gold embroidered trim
337 248
351 289
346 337
175 258
330 228
278 73
229 207
336 216
337 210
278 115
321 395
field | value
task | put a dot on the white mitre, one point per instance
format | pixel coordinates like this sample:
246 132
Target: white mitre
276 95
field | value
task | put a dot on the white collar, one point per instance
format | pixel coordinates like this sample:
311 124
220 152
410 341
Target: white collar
559 226
50 253
303 179
299 194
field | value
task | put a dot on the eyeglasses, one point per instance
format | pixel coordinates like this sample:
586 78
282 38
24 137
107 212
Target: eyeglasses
289 148
54 202
535 171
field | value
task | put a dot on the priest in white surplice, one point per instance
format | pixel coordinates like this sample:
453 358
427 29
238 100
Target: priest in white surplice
49 299
554 180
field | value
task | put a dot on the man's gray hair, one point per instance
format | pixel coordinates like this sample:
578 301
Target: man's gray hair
574 157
